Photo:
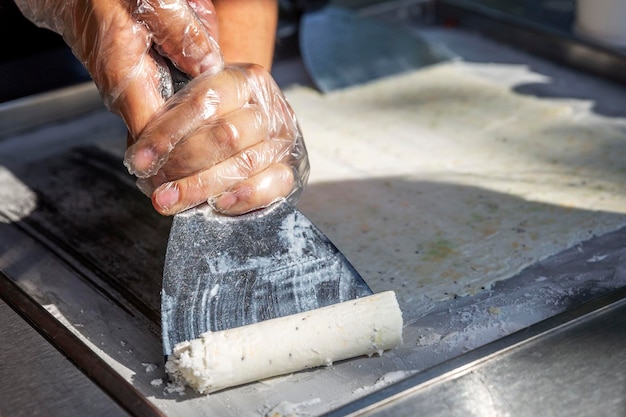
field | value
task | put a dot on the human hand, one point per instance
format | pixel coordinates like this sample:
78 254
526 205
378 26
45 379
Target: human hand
254 153
117 40
229 138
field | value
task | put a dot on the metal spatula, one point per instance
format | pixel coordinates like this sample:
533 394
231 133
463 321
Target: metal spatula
341 48
223 272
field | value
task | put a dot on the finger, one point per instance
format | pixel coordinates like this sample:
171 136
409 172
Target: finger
256 192
183 34
139 97
173 197
129 81
214 143
202 101
207 14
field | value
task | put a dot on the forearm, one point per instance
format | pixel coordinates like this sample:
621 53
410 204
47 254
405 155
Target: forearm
247 30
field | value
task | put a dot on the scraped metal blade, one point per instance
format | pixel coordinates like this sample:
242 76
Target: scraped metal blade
341 48
223 272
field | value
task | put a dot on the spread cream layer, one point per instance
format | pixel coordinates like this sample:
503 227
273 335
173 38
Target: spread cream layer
218 360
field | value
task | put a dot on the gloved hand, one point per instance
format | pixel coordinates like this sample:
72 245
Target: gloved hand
116 40
229 137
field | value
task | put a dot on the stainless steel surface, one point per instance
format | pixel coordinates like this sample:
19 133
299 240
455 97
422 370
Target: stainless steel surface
570 365
36 379
41 109
519 25
223 272
83 243
116 395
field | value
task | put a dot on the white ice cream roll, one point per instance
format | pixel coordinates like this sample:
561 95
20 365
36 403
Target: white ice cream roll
218 360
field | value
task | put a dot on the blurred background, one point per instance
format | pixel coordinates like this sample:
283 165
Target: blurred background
34 60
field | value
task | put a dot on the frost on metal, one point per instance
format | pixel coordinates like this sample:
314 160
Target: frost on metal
224 272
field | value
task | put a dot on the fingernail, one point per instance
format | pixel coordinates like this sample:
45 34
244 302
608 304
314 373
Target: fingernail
140 162
225 201
167 196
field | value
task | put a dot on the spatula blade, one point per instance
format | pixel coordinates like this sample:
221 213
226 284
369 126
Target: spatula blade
223 272
341 48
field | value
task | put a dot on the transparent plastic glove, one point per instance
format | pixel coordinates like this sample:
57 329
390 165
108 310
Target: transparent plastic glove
229 138
117 40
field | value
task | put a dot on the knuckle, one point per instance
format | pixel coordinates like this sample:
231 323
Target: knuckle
205 104
256 71
261 120
247 161
226 135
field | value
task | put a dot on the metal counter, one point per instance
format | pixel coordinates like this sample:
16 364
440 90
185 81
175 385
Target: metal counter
570 364
82 250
